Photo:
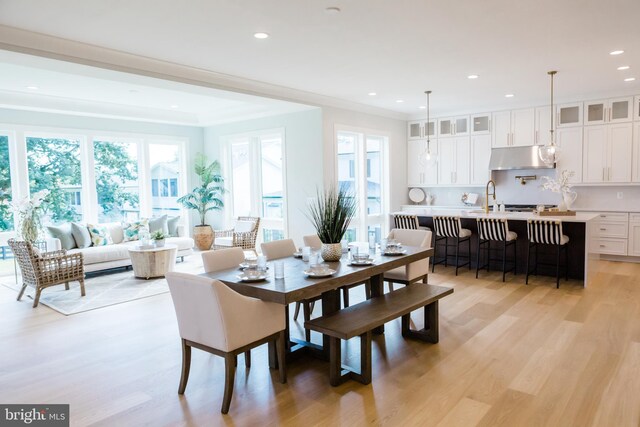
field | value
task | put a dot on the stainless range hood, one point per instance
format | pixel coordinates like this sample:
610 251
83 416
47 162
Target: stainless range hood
511 158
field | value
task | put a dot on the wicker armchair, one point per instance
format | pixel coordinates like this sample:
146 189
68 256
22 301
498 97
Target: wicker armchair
42 270
246 239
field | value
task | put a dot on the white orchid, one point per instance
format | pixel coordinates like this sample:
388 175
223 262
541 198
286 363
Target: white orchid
29 210
560 185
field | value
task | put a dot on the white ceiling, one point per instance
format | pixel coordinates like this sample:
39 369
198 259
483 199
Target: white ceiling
395 48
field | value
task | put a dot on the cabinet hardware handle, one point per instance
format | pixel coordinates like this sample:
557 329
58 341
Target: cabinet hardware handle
602 174
603 216
603 229
536 138
602 246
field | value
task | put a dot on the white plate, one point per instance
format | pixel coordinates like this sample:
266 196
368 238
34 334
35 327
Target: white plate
324 273
252 278
395 253
245 265
416 195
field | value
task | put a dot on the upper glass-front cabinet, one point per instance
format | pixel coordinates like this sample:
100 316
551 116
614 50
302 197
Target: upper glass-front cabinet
415 130
481 124
419 129
617 110
636 107
453 126
568 115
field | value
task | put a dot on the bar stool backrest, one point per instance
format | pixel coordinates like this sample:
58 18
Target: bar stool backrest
495 229
447 226
548 232
408 222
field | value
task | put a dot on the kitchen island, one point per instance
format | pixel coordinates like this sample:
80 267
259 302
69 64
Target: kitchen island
578 228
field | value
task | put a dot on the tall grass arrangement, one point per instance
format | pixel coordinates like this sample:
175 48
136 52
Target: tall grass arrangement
331 213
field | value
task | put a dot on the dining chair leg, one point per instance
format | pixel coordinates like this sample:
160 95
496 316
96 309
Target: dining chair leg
24 287
390 286
280 350
229 378
186 366
297 311
247 358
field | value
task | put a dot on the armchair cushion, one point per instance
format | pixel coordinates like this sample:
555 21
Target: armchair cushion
244 226
64 233
81 235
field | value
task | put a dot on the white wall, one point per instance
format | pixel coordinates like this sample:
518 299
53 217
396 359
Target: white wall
303 161
395 129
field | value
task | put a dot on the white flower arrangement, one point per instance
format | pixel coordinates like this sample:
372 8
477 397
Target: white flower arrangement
29 211
560 185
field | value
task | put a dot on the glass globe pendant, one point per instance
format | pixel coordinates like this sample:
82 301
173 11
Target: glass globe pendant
428 158
550 153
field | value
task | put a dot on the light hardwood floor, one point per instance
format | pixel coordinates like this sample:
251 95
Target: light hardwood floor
509 354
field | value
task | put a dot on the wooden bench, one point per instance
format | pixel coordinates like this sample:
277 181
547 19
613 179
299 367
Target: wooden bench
361 319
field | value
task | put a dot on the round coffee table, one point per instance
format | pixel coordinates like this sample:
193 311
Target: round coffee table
153 262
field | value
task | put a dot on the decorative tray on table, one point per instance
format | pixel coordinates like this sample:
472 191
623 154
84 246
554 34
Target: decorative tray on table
553 212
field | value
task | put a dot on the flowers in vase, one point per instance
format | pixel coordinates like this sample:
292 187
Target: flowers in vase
29 211
560 185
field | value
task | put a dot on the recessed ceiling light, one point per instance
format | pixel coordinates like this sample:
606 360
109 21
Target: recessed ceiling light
509 95
422 107
623 67
399 101
174 106
629 79
261 35
472 76
616 52
372 94
31 87
332 10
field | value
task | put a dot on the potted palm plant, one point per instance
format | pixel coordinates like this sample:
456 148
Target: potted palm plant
331 213
207 197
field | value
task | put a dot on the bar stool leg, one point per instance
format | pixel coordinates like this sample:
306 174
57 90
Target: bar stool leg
478 258
558 268
526 280
504 260
566 261
435 251
446 251
515 257
457 250
469 253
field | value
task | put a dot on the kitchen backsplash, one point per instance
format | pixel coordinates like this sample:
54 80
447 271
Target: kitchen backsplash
510 191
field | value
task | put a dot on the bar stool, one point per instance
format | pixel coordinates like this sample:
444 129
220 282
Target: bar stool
547 232
407 222
447 227
496 230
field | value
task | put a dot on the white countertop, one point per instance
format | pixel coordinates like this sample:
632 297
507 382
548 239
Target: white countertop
477 212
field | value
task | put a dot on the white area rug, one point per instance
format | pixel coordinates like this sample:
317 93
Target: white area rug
106 289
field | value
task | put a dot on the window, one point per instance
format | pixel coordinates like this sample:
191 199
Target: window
53 164
165 166
116 166
257 180
173 186
366 180
6 214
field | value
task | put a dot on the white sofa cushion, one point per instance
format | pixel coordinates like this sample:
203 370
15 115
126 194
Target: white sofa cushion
99 254
243 226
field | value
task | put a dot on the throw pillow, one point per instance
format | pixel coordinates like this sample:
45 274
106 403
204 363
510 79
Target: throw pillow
81 235
63 232
244 226
172 224
159 223
99 235
131 230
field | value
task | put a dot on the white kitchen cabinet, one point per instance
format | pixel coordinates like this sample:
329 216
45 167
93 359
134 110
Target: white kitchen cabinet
419 174
418 129
568 115
617 110
453 126
611 234
636 108
634 235
635 173
481 124
480 156
453 161
607 153
513 128
543 125
570 142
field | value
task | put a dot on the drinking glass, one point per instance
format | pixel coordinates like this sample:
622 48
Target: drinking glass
278 269
306 251
313 259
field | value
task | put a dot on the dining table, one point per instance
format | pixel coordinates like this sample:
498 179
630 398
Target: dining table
296 286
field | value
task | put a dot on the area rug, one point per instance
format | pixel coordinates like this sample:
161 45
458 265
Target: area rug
106 289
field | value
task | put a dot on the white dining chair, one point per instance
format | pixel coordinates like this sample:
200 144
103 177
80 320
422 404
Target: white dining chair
415 271
214 318
313 241
222 259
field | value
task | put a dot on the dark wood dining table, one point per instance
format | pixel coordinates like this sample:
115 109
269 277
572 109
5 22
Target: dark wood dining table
296 286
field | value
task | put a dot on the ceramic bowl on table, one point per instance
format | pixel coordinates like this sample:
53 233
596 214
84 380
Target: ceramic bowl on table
361 259
319 270
253 275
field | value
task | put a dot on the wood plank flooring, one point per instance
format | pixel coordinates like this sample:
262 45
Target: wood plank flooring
509 355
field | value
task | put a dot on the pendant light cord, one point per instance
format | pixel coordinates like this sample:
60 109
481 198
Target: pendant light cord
552 73
428 92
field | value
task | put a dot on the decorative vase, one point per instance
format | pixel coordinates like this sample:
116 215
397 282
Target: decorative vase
568 197
203 237
160 243
331 252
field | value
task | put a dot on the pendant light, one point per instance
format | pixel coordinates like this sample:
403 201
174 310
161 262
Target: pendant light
427 157
550 153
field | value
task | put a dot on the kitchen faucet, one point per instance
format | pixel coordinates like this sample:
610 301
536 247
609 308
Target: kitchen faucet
486 195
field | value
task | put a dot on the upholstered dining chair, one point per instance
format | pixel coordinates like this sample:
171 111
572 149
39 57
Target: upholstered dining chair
415 271
313 241
41 270
214 318
222 259
243 234
282 249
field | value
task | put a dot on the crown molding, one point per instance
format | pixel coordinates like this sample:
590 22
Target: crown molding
42 45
